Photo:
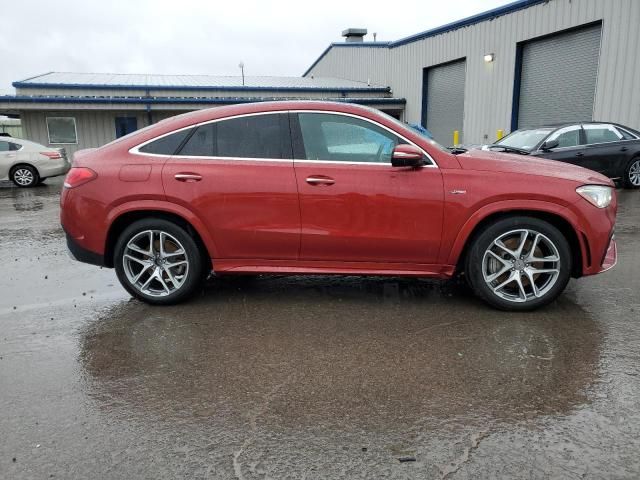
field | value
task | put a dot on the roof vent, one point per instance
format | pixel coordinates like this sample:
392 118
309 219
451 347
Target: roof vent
354 34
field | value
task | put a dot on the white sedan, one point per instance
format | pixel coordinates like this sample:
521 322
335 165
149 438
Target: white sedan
27 163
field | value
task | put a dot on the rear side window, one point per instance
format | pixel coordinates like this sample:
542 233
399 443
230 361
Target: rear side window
166 145
201 143
601 133
255 136
4 146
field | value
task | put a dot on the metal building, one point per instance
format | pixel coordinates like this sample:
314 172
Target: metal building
527 63
83 110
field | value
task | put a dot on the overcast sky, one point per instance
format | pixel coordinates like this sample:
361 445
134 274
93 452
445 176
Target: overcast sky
199 36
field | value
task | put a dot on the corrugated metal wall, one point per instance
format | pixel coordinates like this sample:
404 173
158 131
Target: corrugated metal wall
489 86
94 128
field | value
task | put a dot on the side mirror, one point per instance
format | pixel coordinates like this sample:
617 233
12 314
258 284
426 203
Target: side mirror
550 144
407 156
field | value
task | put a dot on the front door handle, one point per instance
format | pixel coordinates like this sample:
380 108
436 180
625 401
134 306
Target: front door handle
187 177
320 180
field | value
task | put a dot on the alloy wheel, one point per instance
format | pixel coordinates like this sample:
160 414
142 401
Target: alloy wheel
155 263
521 265
634 173
23 177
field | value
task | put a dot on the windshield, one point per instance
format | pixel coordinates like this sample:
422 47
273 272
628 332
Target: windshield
525 139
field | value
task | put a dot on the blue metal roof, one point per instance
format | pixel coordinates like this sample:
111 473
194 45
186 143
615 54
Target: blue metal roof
465 22
112 81
182 100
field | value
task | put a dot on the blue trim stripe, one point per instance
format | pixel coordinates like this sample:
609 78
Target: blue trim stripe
465 22
85 86
183 100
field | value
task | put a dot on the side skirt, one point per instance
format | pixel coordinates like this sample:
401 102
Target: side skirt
240 266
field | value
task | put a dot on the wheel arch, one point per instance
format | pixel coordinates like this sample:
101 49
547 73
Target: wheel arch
123 220
577 241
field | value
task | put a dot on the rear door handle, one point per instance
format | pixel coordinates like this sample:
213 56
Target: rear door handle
579 154
624 149
320 180
187 177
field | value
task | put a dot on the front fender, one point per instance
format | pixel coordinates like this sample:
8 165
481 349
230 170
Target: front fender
453 255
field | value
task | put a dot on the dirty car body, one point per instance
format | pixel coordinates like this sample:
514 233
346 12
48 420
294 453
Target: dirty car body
330 188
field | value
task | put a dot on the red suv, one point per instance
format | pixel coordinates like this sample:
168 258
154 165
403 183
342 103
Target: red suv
330 188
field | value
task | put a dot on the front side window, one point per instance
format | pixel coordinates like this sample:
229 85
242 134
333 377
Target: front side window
334 137
62 130
167 145
601 133
525 139
567 137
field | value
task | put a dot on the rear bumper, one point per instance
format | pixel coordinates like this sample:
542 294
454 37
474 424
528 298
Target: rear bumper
82 254
53 168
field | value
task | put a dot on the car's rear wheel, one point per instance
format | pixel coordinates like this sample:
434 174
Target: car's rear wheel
158 262
632 174
25 176
519 263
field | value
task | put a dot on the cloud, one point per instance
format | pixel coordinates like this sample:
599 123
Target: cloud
199 36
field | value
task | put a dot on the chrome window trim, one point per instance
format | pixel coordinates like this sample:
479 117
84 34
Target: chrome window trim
136 149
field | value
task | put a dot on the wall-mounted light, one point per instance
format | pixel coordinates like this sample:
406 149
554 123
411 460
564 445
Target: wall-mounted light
489 57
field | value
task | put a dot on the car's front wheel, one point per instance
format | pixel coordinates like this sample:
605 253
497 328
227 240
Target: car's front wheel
519 263
25 176
632 174
158 262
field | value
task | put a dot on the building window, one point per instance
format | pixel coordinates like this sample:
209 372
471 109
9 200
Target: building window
125 126
62 130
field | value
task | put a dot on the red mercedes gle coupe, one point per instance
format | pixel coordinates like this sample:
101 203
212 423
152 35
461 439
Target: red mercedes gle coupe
330 188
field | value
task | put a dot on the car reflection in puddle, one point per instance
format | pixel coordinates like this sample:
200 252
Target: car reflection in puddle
341 352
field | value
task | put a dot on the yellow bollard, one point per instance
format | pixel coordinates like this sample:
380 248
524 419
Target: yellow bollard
500 134
456 138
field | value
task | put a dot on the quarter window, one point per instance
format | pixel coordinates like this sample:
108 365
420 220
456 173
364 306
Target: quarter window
166 145
62 130
601 133
341 138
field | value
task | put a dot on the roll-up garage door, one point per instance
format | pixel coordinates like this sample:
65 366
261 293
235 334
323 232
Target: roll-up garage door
445 100
558 78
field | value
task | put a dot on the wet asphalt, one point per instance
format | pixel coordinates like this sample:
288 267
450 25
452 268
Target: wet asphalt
308 378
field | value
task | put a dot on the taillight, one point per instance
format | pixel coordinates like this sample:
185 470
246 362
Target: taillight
79 176
52 155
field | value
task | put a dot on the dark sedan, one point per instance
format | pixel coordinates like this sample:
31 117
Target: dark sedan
607 148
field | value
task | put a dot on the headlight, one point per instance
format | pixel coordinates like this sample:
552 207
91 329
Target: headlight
598 195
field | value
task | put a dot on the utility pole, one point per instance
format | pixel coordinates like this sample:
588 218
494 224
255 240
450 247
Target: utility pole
241 65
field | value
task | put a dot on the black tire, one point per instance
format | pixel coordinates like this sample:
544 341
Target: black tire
474 264
191 279
24 176
628 181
